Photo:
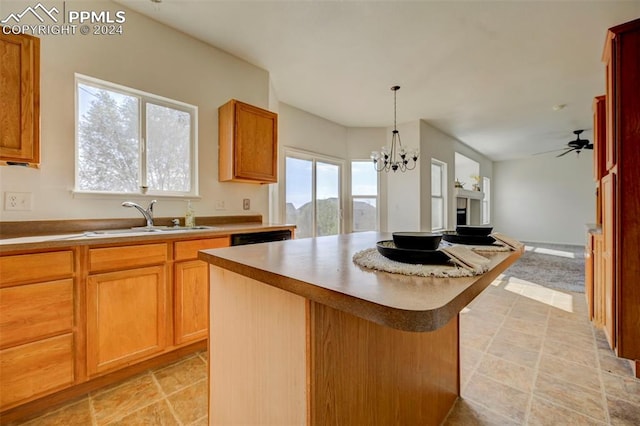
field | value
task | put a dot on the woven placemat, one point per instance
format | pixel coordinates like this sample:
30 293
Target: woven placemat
372 259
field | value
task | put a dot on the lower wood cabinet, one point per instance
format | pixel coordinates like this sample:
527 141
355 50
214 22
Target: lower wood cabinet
37 345
70 316
598 280
191 301
126 317
191 289
36 369
608 257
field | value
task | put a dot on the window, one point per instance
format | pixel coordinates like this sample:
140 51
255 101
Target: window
128 141
312 194
486 201
438 195
364 196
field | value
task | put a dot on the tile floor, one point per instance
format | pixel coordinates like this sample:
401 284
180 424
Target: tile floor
529 356
171 395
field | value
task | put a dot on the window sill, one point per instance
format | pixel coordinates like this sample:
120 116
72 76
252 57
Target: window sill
132 195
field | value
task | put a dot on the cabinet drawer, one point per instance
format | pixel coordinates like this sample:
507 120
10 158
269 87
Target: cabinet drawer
35 369
103 259
35 267
185 250
33 311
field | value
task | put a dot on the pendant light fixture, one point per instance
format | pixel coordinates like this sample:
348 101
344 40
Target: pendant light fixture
395 158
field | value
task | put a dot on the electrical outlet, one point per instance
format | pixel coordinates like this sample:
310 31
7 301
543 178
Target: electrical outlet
246 204
220 205
17 201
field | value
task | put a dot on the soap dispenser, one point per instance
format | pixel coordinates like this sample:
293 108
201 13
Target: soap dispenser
189 216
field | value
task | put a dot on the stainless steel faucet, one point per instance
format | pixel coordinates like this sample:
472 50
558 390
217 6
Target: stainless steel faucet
148 213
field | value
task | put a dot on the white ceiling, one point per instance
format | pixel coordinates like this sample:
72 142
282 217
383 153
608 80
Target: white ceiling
485 72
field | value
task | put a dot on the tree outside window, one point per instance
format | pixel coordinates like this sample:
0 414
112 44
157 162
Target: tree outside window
131 142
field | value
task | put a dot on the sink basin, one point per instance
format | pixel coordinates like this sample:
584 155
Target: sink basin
175 228
143 229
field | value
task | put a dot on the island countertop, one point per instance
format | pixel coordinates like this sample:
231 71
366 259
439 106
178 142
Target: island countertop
321 269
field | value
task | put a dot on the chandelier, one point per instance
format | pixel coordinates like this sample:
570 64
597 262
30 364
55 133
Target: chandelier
396 158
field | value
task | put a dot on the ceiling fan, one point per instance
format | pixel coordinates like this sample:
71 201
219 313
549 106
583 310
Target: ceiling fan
577 145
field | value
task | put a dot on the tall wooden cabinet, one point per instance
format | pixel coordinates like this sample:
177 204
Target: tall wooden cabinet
19 99
619 189
248 143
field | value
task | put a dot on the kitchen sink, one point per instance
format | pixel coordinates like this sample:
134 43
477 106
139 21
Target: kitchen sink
143 229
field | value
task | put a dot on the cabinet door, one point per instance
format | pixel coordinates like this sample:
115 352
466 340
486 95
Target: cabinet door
608 255
35 369
589 274
19 98
126 317
248 143
191 301
598 280
610 144
255 149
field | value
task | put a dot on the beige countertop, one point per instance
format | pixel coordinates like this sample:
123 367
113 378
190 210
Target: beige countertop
322 270
37 242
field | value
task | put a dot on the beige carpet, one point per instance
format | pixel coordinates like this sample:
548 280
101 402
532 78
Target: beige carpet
556 266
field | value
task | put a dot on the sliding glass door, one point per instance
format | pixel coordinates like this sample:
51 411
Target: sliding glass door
312 194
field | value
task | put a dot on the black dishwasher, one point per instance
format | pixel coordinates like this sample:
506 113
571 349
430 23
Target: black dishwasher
260 237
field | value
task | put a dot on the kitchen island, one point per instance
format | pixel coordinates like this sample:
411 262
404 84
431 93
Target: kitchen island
299 334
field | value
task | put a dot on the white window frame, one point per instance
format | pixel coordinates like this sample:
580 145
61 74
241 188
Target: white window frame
486 200
314 158
443 193
144 98
363 196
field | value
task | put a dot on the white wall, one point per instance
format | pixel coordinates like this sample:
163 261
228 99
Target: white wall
465 169
300 130
544 198
404 189
150 57
439 145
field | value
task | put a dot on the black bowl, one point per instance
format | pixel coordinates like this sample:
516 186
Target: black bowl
422 257
477 231
474 240
417 240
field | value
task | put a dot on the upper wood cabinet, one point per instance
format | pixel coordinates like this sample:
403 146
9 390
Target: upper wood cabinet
19 99
599 137
248 143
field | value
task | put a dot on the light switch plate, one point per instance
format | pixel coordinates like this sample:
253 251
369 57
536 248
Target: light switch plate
246 204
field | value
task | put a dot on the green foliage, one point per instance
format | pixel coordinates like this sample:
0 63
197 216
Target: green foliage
327 218
109 145
108 150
